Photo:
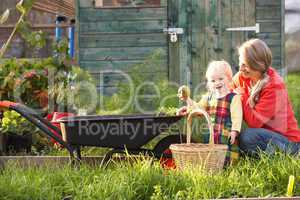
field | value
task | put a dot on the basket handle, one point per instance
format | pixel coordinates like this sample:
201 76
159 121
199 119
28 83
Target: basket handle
196 112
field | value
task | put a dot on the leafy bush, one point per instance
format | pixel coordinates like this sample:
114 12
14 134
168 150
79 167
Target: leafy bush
24 80
14 123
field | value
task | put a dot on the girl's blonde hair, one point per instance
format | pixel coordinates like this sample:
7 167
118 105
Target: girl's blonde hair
220 66
258 56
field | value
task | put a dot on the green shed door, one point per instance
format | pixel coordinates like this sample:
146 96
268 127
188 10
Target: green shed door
210 38
115 35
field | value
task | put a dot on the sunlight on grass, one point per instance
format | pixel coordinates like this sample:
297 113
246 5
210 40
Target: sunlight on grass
145 179
293 85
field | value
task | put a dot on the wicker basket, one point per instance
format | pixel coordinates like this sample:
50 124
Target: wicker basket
207 156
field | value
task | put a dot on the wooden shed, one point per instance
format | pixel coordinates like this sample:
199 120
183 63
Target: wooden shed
117 34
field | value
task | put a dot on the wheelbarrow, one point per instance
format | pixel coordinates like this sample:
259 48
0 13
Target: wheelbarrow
121 133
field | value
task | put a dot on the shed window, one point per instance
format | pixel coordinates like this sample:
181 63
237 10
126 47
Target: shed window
126 3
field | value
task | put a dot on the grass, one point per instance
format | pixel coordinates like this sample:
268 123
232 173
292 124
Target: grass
147 180
293 86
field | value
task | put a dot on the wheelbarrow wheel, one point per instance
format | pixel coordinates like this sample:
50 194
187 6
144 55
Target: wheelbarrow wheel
163 152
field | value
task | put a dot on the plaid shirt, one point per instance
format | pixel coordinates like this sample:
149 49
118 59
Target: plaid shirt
219 112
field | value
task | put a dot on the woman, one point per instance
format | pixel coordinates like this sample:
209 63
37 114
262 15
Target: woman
266 107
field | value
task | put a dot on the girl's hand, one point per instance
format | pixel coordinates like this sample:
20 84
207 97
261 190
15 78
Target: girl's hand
233 135
182 111
190 102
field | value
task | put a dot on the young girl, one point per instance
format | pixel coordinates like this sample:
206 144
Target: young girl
222 104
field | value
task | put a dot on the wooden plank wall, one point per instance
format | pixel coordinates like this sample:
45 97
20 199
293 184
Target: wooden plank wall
174 65
211 41
119 38
270 16
185 40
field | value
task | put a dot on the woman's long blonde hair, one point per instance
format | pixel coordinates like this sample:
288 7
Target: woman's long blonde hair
258 56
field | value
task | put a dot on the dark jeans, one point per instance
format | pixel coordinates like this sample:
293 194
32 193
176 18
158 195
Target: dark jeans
253 140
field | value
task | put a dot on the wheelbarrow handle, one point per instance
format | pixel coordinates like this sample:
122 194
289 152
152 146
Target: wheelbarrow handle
7 104
44 125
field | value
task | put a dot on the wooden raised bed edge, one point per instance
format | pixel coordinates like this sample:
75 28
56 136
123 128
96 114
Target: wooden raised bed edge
40 161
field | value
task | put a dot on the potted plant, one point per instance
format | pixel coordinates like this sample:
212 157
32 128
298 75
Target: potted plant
15 133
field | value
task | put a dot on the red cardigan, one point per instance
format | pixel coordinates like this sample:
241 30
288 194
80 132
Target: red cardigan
273 111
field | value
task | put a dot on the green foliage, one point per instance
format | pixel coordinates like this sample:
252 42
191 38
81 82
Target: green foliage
71 87
35 39
169 111
27 5
60 51
20 7
143 179
24 80
13 123
23 6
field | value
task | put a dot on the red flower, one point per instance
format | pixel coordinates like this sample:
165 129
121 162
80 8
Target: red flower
18 82
29 74
42 97
46 72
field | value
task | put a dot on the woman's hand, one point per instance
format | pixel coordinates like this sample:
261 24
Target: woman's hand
239 90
